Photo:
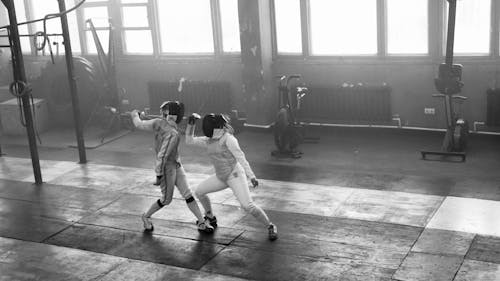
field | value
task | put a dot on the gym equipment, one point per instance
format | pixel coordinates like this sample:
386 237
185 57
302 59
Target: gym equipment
108 108
288 131
449 84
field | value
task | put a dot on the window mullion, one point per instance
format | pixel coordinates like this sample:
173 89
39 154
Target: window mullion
494 34
153 24
216 27
381 28
304 19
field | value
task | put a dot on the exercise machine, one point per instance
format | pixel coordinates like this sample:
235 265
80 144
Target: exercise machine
449 84
288 130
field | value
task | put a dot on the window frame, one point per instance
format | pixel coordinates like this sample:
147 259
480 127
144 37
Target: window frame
444 12
122 29
435 30
114 8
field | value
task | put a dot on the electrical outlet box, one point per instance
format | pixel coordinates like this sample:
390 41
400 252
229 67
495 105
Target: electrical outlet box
429 110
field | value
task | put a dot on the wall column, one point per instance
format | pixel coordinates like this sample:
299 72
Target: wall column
256 58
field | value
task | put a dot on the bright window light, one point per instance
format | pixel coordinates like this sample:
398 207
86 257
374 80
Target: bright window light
135 16
138 42
23 29
98 15
288 26
230 26
340 27
185 26
407 27
103 38
472 27
40 10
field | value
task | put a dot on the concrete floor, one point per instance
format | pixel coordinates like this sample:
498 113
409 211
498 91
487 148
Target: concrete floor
360 205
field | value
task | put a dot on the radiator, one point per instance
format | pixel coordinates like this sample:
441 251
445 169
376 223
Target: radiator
493 107
197 96
363 104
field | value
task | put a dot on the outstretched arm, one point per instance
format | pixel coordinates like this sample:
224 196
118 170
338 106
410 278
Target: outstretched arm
234 147
146 125
192 140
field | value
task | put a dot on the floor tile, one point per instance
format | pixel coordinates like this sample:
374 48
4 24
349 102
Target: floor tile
390 206
341 230
485 248
21 169
468 215
374 255
177 210
297 198
58 195
478 270
132 270
428 267
189 230
105 177
35 261
18 209
26 227
443 242
140 246
260 265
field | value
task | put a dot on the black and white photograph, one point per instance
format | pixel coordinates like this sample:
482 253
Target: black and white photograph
233 140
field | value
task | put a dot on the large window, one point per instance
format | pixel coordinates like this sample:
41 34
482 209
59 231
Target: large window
230 26
472 28
23 29
407 26
100 19
185 29
288 26
136 30
340 27
54 26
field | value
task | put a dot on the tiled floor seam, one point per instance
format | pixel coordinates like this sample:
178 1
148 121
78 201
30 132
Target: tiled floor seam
463 260
434 212
409 250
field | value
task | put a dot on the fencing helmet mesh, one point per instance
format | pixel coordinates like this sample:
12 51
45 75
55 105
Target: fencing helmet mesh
213 121
174 108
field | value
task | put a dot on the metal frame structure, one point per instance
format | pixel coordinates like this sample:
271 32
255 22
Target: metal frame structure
22 90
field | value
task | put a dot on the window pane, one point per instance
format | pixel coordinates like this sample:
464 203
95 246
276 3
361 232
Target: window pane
472 27
135 16
103 38
138 42
40 10
23 29
185 26
99 16
288 26
230 26
340 27
407 27
73 29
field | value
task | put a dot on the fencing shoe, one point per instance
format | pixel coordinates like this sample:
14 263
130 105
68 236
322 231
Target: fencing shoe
148 225
212 221
273 232
205 226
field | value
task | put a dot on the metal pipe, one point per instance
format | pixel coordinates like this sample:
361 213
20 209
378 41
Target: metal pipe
20 75
369 126
72 83
477 123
